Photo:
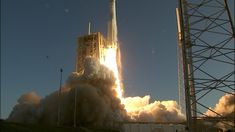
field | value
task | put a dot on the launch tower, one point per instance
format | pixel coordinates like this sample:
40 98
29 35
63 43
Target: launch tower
95 44
91 45
207 53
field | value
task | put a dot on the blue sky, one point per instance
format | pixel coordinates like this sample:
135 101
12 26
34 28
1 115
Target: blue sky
31 30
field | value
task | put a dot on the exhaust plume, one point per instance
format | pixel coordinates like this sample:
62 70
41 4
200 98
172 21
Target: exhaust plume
226 108
97 104
27 109
141 110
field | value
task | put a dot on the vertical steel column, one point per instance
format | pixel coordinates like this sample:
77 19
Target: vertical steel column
230 18
186 79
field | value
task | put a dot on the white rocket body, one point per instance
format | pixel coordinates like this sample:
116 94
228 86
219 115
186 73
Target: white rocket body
112 24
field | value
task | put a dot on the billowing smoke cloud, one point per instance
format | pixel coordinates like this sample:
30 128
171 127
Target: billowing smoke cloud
225 106
96 103
27 108
140 109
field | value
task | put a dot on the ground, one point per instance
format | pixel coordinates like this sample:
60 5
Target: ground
17 127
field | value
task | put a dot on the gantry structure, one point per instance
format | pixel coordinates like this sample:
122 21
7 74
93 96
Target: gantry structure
206 50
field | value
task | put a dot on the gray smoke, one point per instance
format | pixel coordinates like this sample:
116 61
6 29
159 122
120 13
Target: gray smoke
27 109
96 101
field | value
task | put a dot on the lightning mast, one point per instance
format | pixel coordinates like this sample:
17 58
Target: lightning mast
59 100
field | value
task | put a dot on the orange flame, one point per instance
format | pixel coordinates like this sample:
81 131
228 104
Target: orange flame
110 61
137 106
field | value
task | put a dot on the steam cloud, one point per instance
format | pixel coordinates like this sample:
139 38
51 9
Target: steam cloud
96 103
140 109
26 111
225 106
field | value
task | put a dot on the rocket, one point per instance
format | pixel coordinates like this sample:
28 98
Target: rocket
112 24
112 36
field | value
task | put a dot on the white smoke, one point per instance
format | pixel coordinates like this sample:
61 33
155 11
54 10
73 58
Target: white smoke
96 101
140 109
226 108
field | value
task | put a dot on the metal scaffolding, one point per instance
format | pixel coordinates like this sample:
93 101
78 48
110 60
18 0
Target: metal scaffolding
207 48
